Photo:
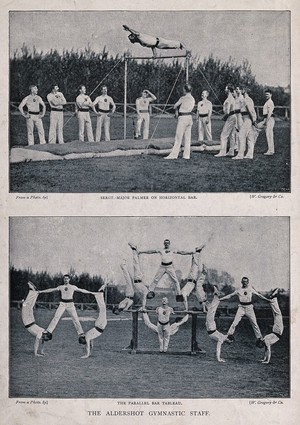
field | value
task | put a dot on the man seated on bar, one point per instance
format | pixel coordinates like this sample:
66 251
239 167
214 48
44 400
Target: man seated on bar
152 42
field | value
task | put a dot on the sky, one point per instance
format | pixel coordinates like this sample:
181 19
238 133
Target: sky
261 37
257 247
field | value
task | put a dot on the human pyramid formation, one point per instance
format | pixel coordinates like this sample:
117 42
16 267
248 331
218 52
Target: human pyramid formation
163 328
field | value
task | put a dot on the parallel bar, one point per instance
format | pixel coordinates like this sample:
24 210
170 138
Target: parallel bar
157 57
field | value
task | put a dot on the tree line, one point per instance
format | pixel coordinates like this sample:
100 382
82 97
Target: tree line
71 68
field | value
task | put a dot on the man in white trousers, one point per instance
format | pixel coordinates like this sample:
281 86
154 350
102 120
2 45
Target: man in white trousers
229 118
246 131
154 43
33 114
56 102
29 320
268 122
106 107
83 105
239 102
166 267
163 328
100 322
183 112
143 113
195 280
204 112
277 329
66 304
245 308
211 325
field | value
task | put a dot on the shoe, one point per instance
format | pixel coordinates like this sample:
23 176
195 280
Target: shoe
31 286
230 153
203 147
132 246
115 310
259 343
150 295
269 153
218 155
237 157
274 293
81 339
102 288
185 158
248 157
170 157
46 336
179 298
216 291
230 337
199 248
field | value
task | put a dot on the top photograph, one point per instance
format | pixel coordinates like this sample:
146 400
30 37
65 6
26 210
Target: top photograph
149 101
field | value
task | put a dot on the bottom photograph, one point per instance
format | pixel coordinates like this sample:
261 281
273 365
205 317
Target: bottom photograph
149 307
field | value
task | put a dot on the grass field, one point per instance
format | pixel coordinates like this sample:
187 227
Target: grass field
203 173
114 373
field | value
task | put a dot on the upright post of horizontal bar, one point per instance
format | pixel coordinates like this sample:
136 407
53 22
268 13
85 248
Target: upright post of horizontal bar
134 339
125 99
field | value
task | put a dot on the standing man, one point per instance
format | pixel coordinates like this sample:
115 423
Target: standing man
239 102
29 320
183 112
106 107
204 111
246 132
245 308
83 105
143 113
166 267
33 115
268 122
56 101
229 118
66 303
100 322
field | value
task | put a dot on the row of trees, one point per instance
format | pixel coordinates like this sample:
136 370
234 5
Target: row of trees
72 68
43 280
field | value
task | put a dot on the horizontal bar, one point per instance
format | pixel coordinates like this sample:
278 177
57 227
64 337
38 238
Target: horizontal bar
153 311
155 57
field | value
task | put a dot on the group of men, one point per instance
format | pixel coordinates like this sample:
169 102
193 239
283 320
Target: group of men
103 106
135 285
241 128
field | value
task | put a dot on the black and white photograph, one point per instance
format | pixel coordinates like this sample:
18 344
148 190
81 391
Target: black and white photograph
149 307
149 101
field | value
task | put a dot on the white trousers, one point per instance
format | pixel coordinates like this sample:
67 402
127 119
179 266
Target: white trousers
183 131
246 136
71 310
228 128
101 320
35 121
163 332
56 127
270 134
84 121
204 129
103 120
170 271
144 117
248 311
